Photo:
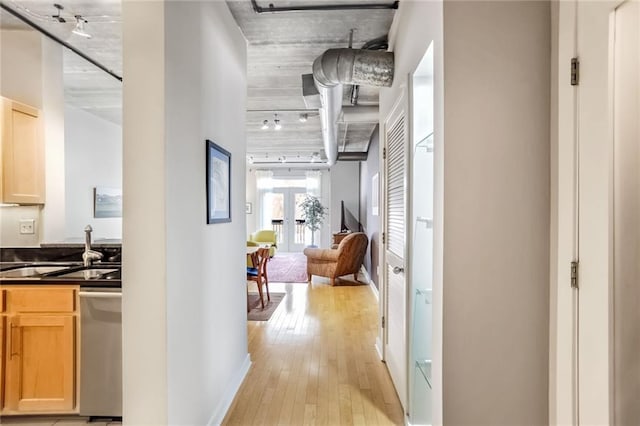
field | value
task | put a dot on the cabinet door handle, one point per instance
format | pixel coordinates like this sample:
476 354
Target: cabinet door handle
11 343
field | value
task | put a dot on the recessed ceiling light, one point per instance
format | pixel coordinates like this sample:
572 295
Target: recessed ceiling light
265 125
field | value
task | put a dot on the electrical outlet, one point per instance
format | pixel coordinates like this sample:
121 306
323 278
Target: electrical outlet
28 226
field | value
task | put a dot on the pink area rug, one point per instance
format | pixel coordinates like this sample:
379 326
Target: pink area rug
287 268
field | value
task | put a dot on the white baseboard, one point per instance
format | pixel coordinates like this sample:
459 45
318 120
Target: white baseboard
230 393
378 346
372 286
376 293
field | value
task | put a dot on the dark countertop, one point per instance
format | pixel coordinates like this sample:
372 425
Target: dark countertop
113 283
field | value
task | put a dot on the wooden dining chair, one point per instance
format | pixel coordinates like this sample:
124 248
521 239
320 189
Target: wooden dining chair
259 272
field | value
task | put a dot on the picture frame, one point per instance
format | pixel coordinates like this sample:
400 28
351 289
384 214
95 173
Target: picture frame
248 208
375 195
107 202
218 183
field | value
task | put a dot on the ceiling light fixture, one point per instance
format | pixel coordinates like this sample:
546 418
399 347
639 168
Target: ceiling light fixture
265 125
277 125
250 159
303 117
283 159
79 29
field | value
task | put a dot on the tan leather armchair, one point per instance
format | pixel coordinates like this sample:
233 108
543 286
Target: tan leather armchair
344 260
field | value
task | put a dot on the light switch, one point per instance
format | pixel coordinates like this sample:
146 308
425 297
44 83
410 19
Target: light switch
27 226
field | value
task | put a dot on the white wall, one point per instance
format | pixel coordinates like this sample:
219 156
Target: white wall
31 73
93 157
496 235
21 61
251 197
53 212
10 217
184 302
345 186
492 140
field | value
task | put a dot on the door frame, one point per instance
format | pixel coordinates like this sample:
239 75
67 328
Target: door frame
581 359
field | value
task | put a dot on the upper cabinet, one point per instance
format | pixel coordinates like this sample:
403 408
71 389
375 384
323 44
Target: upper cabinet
22 154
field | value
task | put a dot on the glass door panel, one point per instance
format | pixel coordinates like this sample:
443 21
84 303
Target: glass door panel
274 203
284 216
422 255
300 237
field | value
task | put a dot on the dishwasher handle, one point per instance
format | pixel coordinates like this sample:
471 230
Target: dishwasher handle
101 294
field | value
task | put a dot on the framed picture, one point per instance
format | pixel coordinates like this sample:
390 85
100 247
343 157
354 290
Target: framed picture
107 202
375 194
248 208
218 184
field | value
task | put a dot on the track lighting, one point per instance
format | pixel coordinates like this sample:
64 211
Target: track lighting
276 123
57 16
79 29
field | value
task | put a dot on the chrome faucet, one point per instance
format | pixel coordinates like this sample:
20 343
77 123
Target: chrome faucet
89 255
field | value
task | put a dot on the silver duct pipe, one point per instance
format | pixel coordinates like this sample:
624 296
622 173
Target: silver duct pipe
336 67
354 66
359 114
331 104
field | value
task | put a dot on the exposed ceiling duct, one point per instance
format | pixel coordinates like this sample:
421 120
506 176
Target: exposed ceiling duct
359 114
353 156
321 7
336 67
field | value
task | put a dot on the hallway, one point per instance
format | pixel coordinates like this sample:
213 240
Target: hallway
315 362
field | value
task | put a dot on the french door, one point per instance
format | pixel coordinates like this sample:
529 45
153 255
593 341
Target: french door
287 219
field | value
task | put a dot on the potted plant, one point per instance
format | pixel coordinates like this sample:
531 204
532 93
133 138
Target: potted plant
313 213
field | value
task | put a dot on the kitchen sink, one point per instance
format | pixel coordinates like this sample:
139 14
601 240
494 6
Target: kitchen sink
88 274
30 271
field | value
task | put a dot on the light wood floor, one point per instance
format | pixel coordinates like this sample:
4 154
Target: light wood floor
314 362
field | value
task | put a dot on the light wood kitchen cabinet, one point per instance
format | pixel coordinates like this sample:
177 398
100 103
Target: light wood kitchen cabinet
22 168
40 350
2 357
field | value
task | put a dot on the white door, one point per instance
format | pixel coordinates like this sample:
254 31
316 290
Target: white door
394 246
287 219
589 177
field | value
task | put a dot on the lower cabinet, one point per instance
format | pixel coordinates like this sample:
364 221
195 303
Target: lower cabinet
40 351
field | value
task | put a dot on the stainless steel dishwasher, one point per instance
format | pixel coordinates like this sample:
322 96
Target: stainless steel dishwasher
101 352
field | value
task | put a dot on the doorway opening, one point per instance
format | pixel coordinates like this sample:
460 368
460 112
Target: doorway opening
281 212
